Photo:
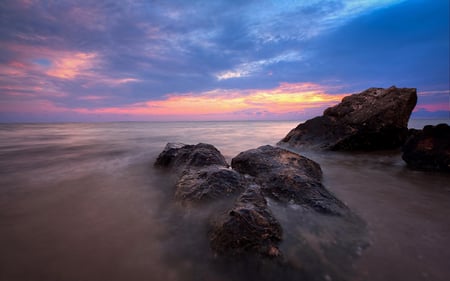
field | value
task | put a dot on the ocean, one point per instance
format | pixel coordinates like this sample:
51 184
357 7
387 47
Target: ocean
82 201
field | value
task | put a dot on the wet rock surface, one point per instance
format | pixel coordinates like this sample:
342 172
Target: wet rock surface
428 149
208 184
288 177
249 227
180 157
374 119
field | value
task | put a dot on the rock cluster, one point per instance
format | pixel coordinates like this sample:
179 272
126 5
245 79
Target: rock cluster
374 119
249 227
429 148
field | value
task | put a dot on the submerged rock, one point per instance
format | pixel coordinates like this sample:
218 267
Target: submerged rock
371 120
207 184
180 157
248 228
429 148
288 177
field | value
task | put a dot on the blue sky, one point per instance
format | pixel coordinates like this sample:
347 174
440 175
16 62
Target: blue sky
215 60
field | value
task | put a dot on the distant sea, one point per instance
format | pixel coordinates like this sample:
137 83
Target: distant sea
81 201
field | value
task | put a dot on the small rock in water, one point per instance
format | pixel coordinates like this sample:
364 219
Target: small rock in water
429 148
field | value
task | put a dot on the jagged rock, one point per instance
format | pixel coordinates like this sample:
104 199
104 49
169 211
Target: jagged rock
180 157
248 228
429 148
371 120
288 177
207 184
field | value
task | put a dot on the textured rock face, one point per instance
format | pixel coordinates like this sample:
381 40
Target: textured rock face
249 227
179 157
202 172
207 184
428 149
374 119
288 177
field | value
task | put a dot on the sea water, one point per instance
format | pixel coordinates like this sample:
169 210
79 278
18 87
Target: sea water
82 201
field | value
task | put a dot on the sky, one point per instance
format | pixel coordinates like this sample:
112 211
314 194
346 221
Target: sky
142 60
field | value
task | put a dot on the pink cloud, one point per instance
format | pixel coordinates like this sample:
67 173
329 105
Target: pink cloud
69 65
31 106
434 107
92 98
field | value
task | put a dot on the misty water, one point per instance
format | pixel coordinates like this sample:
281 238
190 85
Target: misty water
82 201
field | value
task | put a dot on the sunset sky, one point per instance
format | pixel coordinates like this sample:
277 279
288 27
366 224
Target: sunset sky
216 60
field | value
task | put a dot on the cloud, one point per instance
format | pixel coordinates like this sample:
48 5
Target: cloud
69 66
249 68
285 99
433 101
142 56
92 98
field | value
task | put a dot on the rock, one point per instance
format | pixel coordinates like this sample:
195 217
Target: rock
207 184
429 148
179 157
201 172
248 228
288 177
372 120
320 234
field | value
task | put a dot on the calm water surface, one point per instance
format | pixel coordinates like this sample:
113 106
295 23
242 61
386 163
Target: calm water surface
82 202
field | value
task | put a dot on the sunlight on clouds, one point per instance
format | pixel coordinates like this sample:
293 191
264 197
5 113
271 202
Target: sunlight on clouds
248 68
285 98
231 74
71 65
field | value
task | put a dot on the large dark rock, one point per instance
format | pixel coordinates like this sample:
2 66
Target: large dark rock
207 184
372 120
248 228
288 177
180 157
428 149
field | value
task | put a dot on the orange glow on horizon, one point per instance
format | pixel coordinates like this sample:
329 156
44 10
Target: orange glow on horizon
286 98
